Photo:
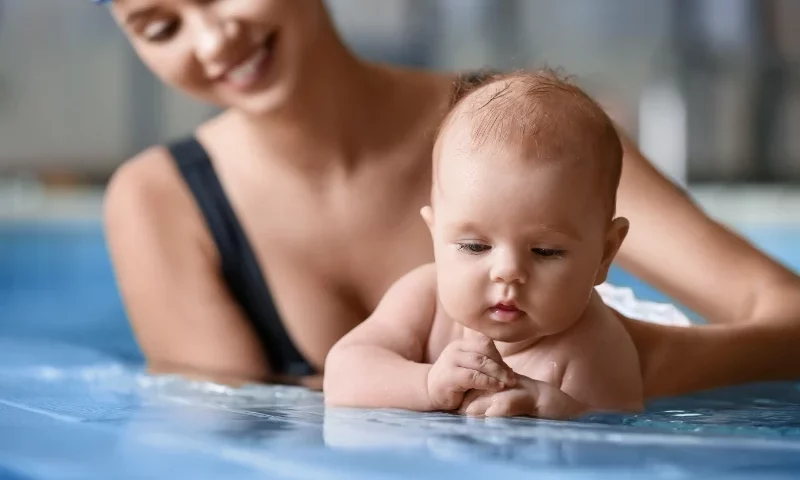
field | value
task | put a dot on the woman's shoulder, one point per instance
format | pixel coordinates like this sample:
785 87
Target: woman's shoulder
147 190
149 177
152 176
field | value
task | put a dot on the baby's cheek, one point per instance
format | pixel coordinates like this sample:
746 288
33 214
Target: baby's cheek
460 291
562 297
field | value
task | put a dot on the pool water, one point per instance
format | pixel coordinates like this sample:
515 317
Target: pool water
74 403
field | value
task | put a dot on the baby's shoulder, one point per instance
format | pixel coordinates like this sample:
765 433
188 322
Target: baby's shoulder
415 290
419 285
598 342
598 328
421 278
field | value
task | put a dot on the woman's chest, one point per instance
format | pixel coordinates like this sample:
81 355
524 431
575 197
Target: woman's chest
351 239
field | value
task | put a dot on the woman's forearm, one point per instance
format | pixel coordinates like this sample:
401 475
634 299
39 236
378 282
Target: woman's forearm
678 360
374 377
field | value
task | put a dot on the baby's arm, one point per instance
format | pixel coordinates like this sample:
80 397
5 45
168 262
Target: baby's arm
379 364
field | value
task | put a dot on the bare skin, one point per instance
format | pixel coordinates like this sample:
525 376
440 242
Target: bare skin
421 359
751 301
506 321
329 189
321 246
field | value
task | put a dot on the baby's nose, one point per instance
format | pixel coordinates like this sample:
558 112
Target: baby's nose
509 268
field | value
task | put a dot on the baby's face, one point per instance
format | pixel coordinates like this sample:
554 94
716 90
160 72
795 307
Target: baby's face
519 244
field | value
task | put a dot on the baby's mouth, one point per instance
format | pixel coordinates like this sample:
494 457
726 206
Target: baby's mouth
505 312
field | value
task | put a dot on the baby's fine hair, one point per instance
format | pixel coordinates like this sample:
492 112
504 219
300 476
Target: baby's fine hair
544 111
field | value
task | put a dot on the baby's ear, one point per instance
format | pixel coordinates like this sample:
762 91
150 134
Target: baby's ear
427 215
614 237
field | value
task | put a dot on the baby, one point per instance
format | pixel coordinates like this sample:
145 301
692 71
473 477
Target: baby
507 320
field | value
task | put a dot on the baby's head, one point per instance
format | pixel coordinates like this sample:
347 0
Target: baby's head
526 169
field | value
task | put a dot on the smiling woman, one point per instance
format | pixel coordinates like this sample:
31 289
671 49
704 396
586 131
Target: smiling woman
250 248
210 215
223 51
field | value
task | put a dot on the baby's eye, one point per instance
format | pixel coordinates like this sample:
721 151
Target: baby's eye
548 252
473 247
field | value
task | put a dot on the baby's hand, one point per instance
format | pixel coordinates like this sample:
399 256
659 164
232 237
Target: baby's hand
530 398
473 364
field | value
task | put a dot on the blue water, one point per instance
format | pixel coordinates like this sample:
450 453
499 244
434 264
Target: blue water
75 404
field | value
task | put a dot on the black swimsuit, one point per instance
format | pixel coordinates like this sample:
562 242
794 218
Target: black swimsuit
240 269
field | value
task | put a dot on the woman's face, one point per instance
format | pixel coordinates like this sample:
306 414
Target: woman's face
245 54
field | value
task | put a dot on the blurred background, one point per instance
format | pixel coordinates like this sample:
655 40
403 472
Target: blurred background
709 88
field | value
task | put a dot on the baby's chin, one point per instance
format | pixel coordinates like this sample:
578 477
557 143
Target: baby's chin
522 330
517 332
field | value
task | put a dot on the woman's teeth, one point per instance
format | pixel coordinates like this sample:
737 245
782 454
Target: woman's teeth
244 71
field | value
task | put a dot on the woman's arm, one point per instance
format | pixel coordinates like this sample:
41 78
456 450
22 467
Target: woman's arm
752 301
678 360
167 270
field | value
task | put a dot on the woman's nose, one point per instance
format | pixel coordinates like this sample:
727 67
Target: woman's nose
214 39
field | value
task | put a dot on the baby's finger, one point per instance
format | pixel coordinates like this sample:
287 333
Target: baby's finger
470 396
485 346
554 403
564 408
476 406
486 365
468 379
508 404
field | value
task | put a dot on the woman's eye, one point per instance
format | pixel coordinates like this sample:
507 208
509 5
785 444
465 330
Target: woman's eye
160 30
548 252
473 247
